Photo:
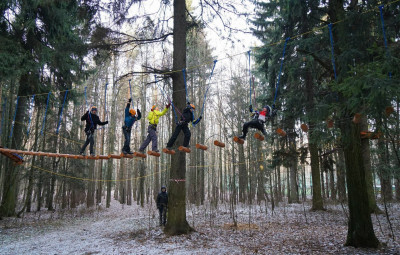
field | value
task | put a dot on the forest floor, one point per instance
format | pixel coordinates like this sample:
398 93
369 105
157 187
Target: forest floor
122 229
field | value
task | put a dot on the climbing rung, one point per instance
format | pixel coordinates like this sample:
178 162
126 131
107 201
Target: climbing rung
201 147
219 144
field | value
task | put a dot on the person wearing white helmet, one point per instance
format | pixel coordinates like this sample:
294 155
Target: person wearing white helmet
259 118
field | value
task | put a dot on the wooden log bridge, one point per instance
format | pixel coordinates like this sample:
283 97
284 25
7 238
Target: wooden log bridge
15 155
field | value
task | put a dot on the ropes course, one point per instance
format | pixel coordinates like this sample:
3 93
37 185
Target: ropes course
15 154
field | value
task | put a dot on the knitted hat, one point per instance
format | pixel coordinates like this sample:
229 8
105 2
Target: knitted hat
94 108
153 107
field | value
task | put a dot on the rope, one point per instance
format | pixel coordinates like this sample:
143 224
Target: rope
280 70
29 117
105 100
62 108
2 115
384 35
332 51
209 85
15 114
184 79
95 180
130 91
249 76
167 98
45 113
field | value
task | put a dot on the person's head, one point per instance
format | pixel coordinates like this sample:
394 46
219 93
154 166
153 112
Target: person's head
154 108
93 110
192 107
163 189
132 112
268 109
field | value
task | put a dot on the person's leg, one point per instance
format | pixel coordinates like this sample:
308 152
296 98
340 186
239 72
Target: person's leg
126 142
146 141
245 129
160 210
91 143
85 144
260 126
186 132
174 136
164 213
153 137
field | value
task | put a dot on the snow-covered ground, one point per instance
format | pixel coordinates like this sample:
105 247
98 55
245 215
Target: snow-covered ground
290 229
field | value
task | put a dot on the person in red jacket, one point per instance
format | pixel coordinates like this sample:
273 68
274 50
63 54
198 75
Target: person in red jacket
259 118
92 120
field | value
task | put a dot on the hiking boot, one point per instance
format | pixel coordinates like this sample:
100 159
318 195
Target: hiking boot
141 151
125 152
242 137
130 152
82 153
156 150
92 154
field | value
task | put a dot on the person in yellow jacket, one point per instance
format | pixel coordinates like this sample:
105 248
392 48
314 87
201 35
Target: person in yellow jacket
153 118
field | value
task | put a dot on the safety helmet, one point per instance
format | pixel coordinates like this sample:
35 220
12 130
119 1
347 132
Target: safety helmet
153 107
269 109
132 112
94 108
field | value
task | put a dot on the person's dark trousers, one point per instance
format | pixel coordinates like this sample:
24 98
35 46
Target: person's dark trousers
89 139
127 135
151 137
253 124
163 215
186 132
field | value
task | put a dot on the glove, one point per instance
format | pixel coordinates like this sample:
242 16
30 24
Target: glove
130 100
138 112
273 106
106 122
250 108
168 105
197 121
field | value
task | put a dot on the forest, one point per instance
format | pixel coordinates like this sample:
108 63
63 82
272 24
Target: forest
289 114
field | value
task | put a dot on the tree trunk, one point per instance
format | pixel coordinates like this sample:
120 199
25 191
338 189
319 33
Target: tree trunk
177 223
10 181
360 231
366 155
317 203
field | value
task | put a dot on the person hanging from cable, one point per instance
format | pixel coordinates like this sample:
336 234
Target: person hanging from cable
92 120
153 118
186 118
130 118
259 118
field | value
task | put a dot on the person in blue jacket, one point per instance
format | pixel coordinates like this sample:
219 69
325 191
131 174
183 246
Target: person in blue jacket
130 118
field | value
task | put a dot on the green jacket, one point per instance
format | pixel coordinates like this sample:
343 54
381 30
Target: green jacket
155 115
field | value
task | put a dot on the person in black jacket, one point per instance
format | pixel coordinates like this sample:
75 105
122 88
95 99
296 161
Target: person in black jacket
162 205
186 117
92 120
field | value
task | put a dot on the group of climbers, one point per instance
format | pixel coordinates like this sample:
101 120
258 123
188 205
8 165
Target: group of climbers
131 116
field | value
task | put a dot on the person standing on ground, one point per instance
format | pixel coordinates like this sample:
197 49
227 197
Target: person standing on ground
162 205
